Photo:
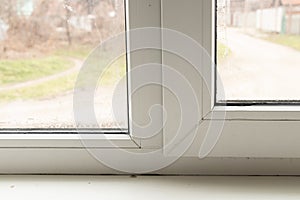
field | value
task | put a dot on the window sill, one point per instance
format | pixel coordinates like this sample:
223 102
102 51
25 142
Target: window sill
66 141
259 113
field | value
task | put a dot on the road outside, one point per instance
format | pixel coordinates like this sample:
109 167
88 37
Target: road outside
256 69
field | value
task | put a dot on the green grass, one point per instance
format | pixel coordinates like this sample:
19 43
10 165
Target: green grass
79 52
63 84
47 89
114 72
22 70
222 51
292 41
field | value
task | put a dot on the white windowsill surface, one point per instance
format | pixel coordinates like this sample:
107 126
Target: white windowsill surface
66 141
149 187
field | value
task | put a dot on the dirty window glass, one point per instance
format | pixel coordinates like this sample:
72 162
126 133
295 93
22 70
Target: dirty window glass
258 50
43 44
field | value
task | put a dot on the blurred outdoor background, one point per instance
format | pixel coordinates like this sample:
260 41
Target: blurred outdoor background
43 44
259 49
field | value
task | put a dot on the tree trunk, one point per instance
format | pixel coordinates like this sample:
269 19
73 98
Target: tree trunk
67 18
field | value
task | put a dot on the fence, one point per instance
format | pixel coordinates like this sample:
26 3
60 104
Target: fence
268 20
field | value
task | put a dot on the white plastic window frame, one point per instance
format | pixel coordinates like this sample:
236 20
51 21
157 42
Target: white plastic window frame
269 131
61 152
249 132
139 14
264 132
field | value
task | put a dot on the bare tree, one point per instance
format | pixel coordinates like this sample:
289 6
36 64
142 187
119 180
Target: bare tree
68 9
53 23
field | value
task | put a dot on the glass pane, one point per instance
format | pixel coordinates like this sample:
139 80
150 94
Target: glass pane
258 50
43 44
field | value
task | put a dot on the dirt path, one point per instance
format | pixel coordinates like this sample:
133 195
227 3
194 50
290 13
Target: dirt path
57 111
260 70
75 68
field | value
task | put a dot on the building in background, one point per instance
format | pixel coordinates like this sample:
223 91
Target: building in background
292 16
3 29
25 7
